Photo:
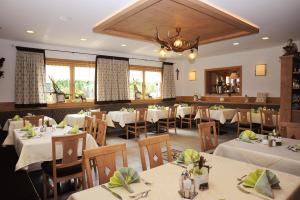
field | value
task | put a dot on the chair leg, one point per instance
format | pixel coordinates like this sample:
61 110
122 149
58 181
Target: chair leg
181 123
45 183
146 131
55 190
190 123
127 132
158 127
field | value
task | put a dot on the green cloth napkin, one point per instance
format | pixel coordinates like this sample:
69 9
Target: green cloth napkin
298 146
81 112
16 118
247 135
62 124
123 177
75 129
27 127
123 109
263 181
176 105
184 105
215 107
188 156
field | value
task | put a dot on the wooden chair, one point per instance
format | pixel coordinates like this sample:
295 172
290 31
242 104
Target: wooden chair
34 120
99 114
88 124
244 120
140 123
290 130
104 159
267 122
204 113
70 166
189 118
99 132
205 129
168 122
154 149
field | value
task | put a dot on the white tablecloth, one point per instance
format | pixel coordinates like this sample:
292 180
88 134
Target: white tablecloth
255 118
278 158
222 183
182 111
78 119
39 149
220 115
10 126
124 117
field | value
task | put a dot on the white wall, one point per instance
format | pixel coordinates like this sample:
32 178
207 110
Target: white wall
251 84
8 51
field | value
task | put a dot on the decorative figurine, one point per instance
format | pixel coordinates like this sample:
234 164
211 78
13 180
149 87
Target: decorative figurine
290 48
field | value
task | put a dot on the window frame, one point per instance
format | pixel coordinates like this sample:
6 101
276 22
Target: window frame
145 69
72 64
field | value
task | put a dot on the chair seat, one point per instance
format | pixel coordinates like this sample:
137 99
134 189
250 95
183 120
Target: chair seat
138 124
48 169
189 116
166 119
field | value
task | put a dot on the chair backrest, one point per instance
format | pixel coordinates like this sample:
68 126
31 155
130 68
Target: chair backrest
99 114
204 113
154 149
34 120
266 117
205 129
104 159
194 109
99 132
244 116
290 130
68 145
88 124
172 112
141 115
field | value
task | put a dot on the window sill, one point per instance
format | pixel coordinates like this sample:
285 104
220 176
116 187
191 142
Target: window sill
70 104
142 101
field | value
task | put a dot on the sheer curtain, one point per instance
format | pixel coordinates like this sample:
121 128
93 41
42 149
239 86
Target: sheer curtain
30 77
111 79
168 81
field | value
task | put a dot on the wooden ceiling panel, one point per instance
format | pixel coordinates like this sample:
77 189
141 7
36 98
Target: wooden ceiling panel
196 18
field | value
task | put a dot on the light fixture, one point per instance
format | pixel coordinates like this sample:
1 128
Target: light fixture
235 44
260 70
123 45
193 54
176 43
265 38
83 39
192 75
162 52
233 75
30 32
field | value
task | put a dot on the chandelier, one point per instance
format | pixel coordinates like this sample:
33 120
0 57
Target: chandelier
177 44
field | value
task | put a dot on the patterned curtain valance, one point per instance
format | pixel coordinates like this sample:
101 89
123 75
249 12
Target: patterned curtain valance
168 81
30 77
111 79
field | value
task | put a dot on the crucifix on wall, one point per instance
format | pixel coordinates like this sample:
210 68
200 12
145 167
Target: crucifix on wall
177 73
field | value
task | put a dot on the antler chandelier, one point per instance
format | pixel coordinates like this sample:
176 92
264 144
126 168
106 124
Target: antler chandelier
177 43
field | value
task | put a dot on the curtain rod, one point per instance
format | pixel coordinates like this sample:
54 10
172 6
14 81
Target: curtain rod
65 51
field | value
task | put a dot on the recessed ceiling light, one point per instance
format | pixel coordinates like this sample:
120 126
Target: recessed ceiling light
235 43
65 18
83 39
123 45
30 32
265 38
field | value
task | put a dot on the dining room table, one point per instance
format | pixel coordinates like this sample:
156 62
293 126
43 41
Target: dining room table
223 183
38 149
280 158
255 117
10 125
222 114
78 119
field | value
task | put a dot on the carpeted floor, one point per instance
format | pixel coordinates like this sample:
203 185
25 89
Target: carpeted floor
23 185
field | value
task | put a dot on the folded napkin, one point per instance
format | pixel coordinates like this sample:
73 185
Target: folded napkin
62 124
176 104
123 177
27 127
215 107
298 146
81 112
188 156
184 105
247 135
130 109
16 118
152 106
263 181
75 129
123 109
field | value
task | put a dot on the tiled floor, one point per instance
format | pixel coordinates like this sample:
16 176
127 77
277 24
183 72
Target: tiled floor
185 138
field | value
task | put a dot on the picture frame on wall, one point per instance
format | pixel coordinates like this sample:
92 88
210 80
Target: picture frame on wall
260 70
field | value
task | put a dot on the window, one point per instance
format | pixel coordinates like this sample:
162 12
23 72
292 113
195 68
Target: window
74 78
145 82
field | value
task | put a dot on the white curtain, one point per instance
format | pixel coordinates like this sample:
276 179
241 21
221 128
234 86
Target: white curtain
30 77
168 81
112 78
